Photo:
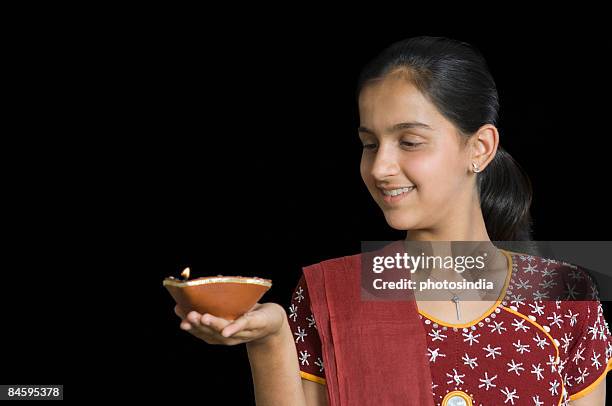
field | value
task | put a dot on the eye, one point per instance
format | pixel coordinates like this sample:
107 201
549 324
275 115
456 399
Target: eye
410 144
369 146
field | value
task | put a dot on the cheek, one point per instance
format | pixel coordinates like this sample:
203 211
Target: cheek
434 174
365 169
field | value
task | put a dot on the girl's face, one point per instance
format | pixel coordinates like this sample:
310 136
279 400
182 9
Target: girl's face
409 144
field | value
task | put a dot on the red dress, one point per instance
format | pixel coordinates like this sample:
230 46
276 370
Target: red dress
525 350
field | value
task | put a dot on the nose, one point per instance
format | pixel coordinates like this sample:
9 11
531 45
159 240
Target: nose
385 164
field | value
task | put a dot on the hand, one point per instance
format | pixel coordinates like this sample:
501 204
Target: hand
260 323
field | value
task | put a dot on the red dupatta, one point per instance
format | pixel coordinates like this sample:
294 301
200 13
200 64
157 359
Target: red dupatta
374 352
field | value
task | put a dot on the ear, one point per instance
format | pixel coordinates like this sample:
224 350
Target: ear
483 146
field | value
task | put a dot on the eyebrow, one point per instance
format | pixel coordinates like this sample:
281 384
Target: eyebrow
397 127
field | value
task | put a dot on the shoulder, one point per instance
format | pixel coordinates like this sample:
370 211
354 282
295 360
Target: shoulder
336 263
541 278
561 297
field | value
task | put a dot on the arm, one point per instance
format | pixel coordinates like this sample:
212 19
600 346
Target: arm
270 347
315 393
275 369
596 397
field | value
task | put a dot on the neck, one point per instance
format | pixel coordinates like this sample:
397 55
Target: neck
448 236
457 225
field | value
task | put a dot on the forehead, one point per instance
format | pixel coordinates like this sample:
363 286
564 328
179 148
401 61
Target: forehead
395 99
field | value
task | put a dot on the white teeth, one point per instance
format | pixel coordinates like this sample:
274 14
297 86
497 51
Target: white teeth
396 192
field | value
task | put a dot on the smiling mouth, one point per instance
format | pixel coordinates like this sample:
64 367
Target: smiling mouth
397 192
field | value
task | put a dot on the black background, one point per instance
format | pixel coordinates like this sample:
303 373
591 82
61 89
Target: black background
163 145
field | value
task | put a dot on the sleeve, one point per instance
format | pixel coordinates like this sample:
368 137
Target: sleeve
304 329
585 363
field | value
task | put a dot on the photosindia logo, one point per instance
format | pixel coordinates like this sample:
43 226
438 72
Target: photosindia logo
422 262
402 268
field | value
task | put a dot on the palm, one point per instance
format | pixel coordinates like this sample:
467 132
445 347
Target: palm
260 321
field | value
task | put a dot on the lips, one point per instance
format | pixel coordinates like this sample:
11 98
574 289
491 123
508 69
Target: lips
395 195
396 191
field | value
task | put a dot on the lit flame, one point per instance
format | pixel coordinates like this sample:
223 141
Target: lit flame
185 273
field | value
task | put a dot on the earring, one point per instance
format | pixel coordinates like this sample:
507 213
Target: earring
476 168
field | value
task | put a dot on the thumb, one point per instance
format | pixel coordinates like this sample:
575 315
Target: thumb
235 326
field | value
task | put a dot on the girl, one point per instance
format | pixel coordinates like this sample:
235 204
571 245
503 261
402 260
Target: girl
432 162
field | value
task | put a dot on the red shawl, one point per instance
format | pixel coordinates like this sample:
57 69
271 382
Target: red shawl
374 352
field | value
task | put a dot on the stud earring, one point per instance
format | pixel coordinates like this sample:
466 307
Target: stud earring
476 168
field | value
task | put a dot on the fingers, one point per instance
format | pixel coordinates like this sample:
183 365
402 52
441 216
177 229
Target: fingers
244 335
205 326
248 321
194 317
195 324
216 330
217 323
236 326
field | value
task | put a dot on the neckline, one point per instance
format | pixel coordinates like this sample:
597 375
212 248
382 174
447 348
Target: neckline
499 300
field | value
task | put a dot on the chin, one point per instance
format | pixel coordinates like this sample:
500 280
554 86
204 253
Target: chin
400 222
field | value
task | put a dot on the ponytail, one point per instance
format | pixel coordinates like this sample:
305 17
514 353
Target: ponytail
505 198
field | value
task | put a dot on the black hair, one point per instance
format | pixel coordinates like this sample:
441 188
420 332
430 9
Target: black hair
455 77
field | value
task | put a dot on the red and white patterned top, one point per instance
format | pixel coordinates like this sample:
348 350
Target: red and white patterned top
526 350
